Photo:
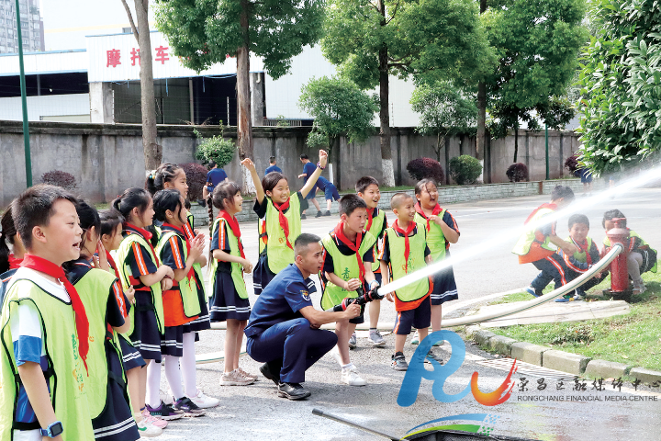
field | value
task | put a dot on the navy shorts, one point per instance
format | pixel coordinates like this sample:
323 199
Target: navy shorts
418 318
312 193
331 193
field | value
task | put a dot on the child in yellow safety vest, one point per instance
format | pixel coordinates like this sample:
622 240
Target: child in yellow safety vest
586 256
279 220
534 245
405 251
641 257
348 256
367 188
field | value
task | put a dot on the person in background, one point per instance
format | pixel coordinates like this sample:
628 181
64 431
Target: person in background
308 169
215 176
272 167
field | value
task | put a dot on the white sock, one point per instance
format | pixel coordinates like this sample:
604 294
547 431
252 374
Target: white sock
347 366
188 365
173 375
153 398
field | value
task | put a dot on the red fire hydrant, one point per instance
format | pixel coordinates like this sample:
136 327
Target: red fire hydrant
619 272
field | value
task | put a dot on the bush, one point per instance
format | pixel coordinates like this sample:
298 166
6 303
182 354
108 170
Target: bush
465 169
573 166
216 149
196 175
517 172
422 168
59 178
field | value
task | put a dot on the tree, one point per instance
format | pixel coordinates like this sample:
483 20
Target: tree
445 111
152 151
621 85
338 107
537 44
430 39
205 32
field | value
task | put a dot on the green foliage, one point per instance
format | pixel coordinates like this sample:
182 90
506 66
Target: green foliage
216 149
464 169
445 111
282 121
338 107
621 85
441 38
205 32
537 44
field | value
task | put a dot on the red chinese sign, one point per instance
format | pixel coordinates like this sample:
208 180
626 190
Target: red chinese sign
113 56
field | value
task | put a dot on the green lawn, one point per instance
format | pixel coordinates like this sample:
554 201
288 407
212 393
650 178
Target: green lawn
633 339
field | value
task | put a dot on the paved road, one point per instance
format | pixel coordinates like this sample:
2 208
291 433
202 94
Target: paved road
254 412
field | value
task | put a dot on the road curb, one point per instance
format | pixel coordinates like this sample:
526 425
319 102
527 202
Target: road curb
565 361
606 369
528 352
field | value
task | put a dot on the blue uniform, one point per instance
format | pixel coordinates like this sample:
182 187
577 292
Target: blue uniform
215 176
308 169
329 189
277 332
272 168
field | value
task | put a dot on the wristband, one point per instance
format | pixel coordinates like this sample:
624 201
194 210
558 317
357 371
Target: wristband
319 166
53 430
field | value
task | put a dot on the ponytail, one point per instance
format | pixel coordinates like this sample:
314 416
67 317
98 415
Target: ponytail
164 173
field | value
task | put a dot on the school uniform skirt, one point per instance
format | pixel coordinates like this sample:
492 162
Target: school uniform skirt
145 337
202 321
445 287
131 357
261 275
115 422
225 303
172 342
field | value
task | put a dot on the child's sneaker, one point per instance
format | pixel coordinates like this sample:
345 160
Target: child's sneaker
415 339
399 362
189 408
204 402
352 341
318 214
579 294
639 288
376 338
533 292
147 429
303 216
146 416
247 375
165 412
234 378
327 213
565 299
350 376
431 355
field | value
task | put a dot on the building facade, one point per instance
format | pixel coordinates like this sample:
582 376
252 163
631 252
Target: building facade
32 27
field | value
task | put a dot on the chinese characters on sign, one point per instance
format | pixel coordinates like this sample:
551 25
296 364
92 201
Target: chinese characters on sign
113 56
579 385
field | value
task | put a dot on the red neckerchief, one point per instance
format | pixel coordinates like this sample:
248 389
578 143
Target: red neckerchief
435 212
14 263
132 229
233 223
182 232
82 324
405 233
284 223
583 247
370 217
353 247
549 206
112 264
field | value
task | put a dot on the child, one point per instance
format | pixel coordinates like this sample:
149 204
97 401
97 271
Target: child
10 260
587 255
641 258
180 303
228 263
171 176
368 189
44 320
404 251
534 246
111 237
441 230
280 220
348 258
140 268
106 308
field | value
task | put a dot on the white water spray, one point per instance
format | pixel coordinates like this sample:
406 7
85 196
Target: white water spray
500 240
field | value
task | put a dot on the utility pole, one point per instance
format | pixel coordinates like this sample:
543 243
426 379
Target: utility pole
26 125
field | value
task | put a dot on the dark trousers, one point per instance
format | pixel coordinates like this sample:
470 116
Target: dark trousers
290 348
553 268
571 275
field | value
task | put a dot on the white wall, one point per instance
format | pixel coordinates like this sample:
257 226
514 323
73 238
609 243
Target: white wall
49 107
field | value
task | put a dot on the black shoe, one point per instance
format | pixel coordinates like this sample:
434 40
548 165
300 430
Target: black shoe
327 213
266 371
303 216
292 391
318 214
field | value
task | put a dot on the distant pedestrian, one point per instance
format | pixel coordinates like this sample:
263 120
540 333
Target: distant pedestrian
215 176
272 167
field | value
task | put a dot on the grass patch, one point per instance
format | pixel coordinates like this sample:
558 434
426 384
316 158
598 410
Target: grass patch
633 339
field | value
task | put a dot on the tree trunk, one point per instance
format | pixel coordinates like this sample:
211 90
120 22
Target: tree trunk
384 115
244 125
480 140
516 142
438 148
152 151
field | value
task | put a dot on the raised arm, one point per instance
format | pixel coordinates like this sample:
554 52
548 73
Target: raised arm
323 159
247 163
